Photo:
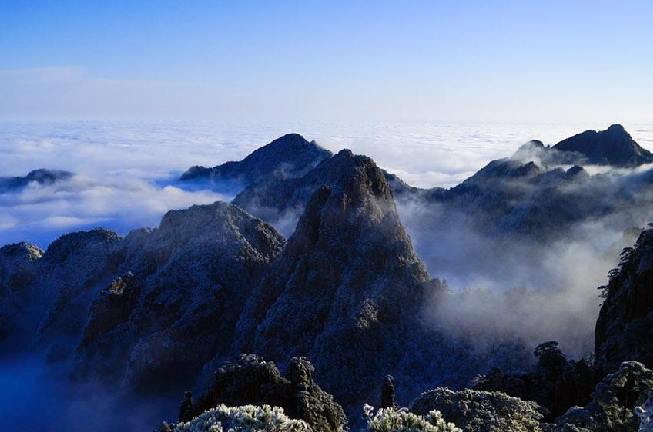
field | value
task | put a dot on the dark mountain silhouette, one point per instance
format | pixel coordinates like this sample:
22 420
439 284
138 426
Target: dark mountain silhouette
40 176
613 146
286 157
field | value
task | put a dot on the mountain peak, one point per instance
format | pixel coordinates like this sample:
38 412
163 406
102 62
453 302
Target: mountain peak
347 281
613 146
288 156
617 127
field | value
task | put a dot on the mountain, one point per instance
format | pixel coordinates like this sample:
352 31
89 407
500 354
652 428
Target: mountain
613 146
624 329
158 311
40 176
147 310
154 310
286 157
349 286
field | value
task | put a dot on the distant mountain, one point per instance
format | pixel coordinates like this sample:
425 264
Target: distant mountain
286 157
535 188
40 176
613 146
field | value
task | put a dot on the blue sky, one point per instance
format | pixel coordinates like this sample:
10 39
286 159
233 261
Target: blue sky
553 61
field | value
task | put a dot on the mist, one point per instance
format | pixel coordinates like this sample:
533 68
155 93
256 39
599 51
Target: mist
36 397
529 287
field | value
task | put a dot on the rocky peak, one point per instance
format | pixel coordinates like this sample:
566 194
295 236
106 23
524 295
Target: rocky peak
284 199
347 282
613 146
217 223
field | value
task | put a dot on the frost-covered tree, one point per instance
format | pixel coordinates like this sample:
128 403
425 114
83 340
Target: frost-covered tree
248 418
401 420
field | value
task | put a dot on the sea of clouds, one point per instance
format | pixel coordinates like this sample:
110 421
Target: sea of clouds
125 171
125 178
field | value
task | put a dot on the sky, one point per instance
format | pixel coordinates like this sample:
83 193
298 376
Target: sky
490 61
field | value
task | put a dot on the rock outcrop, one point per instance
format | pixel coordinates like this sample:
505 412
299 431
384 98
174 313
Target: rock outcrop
286 157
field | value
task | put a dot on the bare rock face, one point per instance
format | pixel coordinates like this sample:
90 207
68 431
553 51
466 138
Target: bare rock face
614 402
347 290
286 157
481 411
252 380
624 329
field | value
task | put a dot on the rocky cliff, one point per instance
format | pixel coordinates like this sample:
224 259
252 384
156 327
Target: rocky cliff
624 330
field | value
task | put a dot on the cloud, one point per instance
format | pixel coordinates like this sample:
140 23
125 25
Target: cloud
40 213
